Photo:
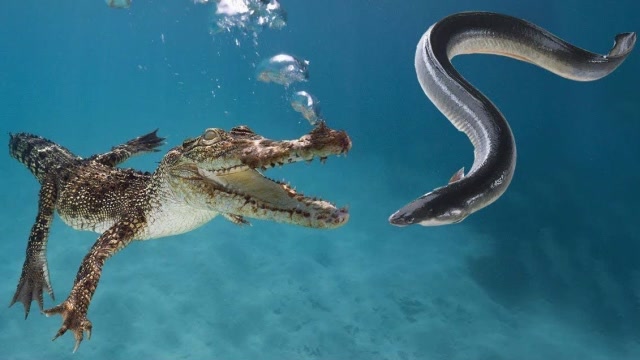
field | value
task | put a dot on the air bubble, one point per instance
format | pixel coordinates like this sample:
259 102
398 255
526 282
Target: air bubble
307 105
283 69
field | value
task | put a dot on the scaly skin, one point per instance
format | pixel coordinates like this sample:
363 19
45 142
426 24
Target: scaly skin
214 174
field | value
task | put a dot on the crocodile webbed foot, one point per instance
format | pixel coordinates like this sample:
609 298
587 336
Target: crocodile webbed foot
34 280
118 154
74 308
74 319
145 143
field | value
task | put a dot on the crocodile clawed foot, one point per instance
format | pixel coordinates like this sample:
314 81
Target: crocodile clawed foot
72 319
31 287
146 143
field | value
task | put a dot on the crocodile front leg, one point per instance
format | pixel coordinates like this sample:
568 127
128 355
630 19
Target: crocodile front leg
35 273
74 308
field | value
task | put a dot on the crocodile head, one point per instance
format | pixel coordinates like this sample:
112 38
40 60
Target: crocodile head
222 171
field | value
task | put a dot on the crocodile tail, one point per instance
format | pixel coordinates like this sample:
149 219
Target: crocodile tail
38 154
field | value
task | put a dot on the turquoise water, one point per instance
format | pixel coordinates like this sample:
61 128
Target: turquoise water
550 271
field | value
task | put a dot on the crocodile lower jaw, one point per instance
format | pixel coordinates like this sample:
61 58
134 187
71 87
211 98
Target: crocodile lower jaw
251 194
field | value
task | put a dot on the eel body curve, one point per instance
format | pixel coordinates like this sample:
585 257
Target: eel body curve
474 114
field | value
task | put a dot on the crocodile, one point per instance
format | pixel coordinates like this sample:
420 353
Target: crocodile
216 173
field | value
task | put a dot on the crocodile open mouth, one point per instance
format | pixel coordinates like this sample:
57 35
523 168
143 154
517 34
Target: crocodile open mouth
245 192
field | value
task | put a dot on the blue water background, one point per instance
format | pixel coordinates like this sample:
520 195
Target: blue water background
550 271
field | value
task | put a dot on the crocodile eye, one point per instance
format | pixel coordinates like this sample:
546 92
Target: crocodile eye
211 135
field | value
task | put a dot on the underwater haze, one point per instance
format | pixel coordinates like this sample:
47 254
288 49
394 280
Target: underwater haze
549 271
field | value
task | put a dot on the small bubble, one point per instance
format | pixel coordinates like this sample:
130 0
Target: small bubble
118 4
307 105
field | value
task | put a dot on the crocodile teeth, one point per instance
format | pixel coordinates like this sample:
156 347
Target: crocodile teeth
227 171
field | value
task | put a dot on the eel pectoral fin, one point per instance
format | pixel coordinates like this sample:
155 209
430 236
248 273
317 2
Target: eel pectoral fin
457 176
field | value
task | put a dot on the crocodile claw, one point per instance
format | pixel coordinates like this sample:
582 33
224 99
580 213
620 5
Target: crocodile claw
72 319
31 287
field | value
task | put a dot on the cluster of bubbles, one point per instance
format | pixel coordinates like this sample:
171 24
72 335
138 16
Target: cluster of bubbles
249 16
285 70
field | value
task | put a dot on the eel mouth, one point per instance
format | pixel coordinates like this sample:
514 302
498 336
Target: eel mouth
248 193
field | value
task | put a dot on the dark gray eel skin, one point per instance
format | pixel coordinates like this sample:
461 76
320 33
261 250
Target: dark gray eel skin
474 114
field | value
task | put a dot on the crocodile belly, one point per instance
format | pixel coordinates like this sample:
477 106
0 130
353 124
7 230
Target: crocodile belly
174 220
